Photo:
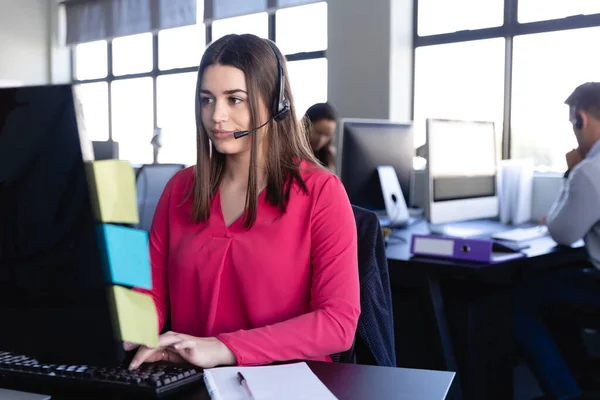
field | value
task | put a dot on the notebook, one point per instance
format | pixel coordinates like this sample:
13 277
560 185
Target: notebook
289 381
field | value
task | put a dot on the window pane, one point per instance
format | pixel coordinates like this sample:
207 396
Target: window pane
308 80
257 24
132 54
133 119
539 10
94 106
91 60
291 33
460 81
181 47
543 78
444 16
176 117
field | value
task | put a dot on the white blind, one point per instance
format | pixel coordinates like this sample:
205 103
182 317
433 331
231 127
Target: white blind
220 9
90 20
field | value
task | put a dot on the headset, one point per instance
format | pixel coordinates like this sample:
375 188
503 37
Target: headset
281 105
578 121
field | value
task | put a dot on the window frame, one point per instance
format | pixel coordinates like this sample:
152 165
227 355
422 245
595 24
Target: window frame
509 30
156 72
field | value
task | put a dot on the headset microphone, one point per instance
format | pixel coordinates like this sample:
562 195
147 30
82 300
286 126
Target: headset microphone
281 105
241 134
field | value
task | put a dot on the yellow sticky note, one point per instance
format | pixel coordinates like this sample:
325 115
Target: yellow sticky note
137 318
114 190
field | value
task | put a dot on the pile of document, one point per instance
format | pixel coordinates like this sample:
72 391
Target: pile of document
125 250
515 189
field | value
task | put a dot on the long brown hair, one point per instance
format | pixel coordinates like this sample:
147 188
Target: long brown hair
287 143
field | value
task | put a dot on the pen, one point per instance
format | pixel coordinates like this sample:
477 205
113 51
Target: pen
244 383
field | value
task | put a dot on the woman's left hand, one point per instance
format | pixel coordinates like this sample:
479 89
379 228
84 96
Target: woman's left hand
202 352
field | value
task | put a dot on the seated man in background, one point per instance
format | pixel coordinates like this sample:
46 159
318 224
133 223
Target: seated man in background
320 121
574 215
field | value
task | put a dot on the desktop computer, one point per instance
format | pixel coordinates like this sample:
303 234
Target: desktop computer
460 172
375 164
58 319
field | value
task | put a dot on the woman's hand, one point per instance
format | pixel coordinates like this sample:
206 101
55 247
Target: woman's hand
180 348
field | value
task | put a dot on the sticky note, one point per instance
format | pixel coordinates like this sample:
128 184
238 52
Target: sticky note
114 191
136 316
127 255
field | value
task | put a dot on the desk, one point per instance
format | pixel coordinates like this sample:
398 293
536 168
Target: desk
346 381
472 323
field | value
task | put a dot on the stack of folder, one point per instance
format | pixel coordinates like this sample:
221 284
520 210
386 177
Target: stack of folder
126 250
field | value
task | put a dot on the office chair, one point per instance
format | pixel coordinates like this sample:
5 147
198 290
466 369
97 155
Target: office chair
150 183
567 322
374 340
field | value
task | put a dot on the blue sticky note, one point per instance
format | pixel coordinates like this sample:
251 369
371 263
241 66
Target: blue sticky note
128 256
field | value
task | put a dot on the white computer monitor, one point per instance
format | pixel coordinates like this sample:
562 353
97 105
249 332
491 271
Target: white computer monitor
461 171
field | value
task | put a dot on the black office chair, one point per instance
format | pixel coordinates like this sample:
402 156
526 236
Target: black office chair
567 323
374 340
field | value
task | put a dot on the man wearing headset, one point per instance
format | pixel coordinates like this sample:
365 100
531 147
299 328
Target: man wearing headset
574 215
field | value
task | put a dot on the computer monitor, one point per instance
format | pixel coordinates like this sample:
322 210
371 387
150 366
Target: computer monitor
365 144
108 150
461 171
54 300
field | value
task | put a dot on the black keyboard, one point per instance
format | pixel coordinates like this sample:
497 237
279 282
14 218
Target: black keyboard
152 380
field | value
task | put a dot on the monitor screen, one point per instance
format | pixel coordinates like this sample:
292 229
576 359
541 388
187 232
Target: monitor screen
363 146
53 283
463 162
106 150
461 171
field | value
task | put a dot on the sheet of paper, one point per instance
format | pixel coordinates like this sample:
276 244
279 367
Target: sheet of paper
127 255
137 318
288 381
116 191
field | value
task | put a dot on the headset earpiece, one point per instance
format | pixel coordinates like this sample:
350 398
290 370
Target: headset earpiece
578 121
281 105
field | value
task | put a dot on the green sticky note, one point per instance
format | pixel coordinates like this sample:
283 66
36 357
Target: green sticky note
137 318
114 192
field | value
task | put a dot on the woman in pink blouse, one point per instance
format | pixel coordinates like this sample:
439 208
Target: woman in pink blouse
253 250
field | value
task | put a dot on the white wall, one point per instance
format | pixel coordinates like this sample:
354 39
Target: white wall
24 27
370 58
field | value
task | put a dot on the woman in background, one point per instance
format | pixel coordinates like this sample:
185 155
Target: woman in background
320 122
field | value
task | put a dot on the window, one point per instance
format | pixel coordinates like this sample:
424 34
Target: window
91 60
291 28
181 47
177 118
308 81
161 94
94 104
539 10
257 24
132 54
543 78
132 118
443 16
459 81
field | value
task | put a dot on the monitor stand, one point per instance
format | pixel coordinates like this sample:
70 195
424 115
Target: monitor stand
482 228
395 205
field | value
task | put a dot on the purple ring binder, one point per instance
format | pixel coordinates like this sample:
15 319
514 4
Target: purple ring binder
454 248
